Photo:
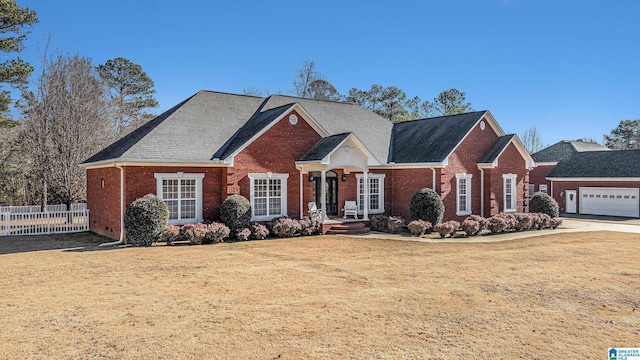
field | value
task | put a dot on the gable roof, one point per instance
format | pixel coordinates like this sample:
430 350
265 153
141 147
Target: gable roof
564 149
496 149
599 164
324 147
431 139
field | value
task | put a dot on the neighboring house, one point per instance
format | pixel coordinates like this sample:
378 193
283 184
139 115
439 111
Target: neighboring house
598 183
283 152
547 159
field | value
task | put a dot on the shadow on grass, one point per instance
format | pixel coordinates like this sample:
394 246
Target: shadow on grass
75 242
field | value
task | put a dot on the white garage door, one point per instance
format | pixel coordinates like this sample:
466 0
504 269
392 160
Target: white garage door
609 201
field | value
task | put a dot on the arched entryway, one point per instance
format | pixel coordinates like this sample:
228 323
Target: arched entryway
331 187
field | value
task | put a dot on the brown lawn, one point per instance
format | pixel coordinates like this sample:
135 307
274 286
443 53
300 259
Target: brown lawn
557 296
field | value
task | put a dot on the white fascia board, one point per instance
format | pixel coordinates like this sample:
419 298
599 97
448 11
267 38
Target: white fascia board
549 163
411 165
112 163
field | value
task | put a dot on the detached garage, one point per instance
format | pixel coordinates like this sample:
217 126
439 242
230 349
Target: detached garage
598 183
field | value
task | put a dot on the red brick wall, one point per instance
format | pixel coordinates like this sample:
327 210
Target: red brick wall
561 187
140 181
465 160
510 162
104 203
538 175
401 186
276 151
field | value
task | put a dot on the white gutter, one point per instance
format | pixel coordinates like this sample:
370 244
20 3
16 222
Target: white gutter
433 178
121 209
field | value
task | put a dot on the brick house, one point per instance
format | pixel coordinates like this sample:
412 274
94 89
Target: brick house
284 152
588 178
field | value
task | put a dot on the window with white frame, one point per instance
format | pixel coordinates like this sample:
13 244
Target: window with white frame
376 193
463 194
543 188
532 189
182 192
509 189
268 195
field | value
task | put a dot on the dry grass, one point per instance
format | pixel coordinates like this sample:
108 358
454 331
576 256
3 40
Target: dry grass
568 296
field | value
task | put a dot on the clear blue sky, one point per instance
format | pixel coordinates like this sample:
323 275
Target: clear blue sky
569 68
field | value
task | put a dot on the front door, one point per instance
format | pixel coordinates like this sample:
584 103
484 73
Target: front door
570 205
331 186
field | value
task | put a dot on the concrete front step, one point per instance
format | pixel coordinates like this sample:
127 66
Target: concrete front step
364 230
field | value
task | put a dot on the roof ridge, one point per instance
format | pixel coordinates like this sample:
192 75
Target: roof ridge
441 116
229 93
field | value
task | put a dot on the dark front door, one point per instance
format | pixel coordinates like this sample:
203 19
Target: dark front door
331 186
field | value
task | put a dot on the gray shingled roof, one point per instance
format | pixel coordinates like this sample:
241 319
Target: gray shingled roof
212 125
599 164
564 149
497 148
324 147
432 139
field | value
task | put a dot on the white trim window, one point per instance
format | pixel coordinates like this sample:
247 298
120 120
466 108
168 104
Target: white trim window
182 192
509 192
376 193
543 188
463 194
268 196
532 189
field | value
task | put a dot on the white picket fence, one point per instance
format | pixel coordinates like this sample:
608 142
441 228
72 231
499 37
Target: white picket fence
36 208
49 222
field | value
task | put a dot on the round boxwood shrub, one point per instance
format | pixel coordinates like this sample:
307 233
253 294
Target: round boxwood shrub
543 203
145 220
426 205
235 212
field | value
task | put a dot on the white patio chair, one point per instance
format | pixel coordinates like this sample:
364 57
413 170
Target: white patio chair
350 209
314 212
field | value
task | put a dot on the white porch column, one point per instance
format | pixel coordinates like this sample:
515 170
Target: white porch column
365 179
301 198
323 195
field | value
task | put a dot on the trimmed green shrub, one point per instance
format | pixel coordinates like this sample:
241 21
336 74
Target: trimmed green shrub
145 220
419 227
378 223
543 203
426 205
235 212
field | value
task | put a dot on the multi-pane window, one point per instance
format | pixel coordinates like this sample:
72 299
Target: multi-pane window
532 189
463 194
376 193
509 187
543 188
268 195
182 194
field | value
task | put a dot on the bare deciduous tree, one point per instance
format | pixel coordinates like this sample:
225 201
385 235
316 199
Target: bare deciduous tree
532 141
65 122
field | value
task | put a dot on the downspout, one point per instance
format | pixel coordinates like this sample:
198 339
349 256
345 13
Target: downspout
121 209
481 192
